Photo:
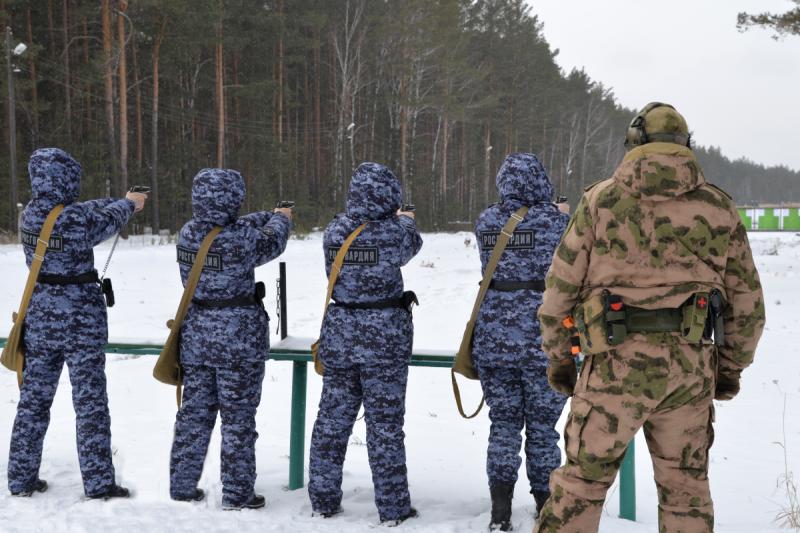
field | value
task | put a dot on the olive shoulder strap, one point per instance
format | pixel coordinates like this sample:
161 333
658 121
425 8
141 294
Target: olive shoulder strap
194 276
338 262
188 294
336 267
33 274
38 258
497 252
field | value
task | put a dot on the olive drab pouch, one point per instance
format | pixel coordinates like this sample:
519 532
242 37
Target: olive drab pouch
590 319
168 366
463 363
602 322
13 356
336 267
695 316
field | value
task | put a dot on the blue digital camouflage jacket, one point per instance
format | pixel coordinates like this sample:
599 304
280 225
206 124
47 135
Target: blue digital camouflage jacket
226 337
58 314
371 273
507 331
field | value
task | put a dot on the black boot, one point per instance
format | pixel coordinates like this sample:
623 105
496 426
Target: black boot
198 496
394 523
39 485
256 502
331 514
114 492
541 497
501 507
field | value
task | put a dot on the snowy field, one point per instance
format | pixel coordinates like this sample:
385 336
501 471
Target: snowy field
445 453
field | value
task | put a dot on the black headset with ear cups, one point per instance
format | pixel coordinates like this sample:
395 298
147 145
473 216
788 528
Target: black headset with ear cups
637 134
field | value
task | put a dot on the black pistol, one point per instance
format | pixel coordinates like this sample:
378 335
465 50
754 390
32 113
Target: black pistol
285 204
561 199
409 208
144 189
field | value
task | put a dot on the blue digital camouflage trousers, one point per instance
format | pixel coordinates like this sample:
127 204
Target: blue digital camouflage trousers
521 398
382 390
43 367
234 392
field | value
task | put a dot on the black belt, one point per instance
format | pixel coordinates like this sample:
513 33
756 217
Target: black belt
80 279
408 299
237 301
389 303
507 286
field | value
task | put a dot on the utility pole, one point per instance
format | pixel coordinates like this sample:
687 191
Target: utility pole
12 128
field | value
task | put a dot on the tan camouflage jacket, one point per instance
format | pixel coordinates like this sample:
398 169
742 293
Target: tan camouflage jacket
655 233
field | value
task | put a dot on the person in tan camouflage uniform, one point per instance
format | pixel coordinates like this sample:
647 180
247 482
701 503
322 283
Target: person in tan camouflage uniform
652 239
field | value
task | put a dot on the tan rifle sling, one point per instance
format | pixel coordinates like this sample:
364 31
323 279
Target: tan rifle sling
168 367
463 363
13 356
336 267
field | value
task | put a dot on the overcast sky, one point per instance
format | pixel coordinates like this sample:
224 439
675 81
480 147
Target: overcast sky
738 91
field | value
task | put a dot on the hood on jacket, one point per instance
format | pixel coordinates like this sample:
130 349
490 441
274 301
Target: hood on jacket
523 177
375 193
659 171
55 176
217 195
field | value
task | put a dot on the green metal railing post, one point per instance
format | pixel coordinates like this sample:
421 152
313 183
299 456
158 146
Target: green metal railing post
627 483
297 430
297 433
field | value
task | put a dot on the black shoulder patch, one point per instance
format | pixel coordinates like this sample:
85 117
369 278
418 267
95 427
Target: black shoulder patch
725 194
30 239
356 255
522 239
187 256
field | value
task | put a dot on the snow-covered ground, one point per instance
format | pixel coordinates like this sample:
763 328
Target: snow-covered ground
445 453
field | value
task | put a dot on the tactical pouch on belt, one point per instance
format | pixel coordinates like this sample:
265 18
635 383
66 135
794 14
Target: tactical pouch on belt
695 315
600 321
604 321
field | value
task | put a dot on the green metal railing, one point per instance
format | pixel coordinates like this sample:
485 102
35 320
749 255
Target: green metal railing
298 351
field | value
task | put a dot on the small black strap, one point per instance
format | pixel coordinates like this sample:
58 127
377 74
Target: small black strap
389 303
533 285
237 301
80 279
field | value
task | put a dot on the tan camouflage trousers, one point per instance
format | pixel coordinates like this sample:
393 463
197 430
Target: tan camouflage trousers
664 387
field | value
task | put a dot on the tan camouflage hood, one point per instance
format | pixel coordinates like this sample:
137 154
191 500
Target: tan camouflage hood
659 171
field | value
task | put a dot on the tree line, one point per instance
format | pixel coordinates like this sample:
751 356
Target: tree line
295 93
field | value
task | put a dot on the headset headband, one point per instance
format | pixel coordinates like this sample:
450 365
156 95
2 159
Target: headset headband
637 133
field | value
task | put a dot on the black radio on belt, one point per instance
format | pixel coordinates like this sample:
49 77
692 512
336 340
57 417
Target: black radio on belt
285 204
108 291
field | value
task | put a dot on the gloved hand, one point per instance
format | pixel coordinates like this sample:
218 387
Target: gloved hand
727 387
562 375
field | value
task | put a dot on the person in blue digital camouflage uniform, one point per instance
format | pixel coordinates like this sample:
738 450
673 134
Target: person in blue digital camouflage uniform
365 346
507 344
66 323
224 337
